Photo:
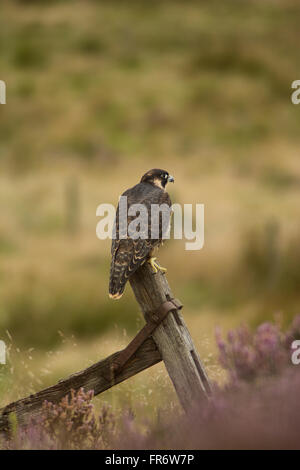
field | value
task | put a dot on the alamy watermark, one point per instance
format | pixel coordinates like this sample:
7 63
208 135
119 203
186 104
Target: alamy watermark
295 96
2 352
2 92
140 221
296 352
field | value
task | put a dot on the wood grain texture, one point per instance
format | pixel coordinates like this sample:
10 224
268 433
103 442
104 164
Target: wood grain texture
172 338
98 377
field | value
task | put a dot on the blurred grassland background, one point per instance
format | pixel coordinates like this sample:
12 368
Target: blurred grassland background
98 93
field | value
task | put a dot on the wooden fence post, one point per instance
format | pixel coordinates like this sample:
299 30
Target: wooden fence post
172 338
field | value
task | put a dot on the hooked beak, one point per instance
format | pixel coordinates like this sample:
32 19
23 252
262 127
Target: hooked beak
171 179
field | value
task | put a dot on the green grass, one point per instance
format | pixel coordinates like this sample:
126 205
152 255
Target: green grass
82 78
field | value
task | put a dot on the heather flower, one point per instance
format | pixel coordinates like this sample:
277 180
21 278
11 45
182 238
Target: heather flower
248 356
70 424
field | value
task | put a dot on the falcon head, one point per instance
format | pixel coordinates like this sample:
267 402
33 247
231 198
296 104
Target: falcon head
157 177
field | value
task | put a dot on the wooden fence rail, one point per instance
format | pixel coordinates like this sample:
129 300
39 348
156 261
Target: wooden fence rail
95 377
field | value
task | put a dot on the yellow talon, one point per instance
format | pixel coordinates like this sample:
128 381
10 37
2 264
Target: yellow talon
155 266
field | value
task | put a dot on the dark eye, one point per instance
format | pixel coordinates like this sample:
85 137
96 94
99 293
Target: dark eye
164 175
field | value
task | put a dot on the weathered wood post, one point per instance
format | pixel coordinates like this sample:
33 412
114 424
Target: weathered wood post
172 337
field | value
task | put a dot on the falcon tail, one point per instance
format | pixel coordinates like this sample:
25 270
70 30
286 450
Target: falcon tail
116 289
116 296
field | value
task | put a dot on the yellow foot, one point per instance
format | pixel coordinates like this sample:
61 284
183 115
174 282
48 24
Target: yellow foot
155 266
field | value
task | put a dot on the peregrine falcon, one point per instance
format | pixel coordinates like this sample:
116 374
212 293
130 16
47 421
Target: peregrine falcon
128 252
